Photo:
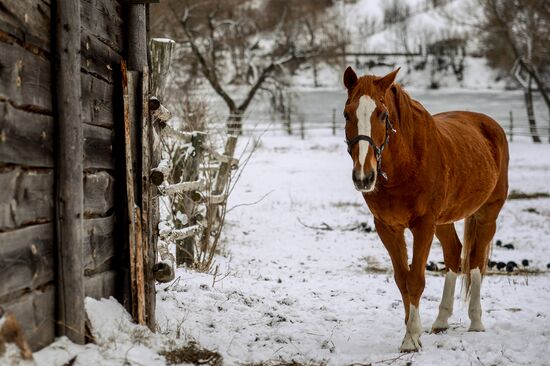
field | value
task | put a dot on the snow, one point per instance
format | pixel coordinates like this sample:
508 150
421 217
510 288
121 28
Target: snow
164 40
117 341
291 292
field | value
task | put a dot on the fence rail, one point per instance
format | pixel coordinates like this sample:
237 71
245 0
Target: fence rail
321 123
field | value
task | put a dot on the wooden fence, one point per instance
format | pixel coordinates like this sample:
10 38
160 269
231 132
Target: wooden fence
195 183
304 125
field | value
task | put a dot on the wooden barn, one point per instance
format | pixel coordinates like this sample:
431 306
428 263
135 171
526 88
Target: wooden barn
66 228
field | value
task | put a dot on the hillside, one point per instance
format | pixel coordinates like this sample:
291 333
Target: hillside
443 36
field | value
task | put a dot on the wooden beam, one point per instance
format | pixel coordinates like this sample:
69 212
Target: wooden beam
140 278
172 189
137 61
69 172
225 169
129 187
147 205
137 37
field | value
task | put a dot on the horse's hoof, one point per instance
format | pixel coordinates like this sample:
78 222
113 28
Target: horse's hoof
410 345
439 326
476 327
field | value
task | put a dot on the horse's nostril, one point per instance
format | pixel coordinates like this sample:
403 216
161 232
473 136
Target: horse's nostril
354 177
370 177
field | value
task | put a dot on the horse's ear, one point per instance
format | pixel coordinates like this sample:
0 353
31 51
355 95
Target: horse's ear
385 82
350 78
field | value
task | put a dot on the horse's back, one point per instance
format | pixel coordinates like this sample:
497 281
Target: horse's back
474 131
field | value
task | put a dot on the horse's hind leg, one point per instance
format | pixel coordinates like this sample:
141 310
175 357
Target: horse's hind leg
451 253
479 230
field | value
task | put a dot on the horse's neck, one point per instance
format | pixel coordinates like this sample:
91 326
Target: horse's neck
415 130
414 124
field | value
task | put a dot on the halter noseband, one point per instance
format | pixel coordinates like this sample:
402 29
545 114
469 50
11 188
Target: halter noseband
377 149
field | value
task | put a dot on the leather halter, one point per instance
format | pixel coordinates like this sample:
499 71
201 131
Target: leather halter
377 149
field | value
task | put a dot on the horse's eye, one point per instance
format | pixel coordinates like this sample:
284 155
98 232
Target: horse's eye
383 116
346 116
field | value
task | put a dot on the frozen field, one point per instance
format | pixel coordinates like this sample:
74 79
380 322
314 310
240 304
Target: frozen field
303 294
325 294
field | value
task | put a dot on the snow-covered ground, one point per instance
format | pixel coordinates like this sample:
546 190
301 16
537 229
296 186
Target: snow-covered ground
293 292
288 292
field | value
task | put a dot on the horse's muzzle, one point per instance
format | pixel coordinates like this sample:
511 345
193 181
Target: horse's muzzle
363 182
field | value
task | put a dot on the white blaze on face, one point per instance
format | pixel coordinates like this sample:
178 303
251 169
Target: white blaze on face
364 112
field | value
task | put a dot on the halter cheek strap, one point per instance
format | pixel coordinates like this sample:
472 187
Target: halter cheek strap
377 149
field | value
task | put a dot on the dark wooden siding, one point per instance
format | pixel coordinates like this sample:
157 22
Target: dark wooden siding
27 160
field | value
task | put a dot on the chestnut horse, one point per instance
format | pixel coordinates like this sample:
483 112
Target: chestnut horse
422 172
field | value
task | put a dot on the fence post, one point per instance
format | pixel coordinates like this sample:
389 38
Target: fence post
333 121
161 56
185 249
288 116
302 129
511 133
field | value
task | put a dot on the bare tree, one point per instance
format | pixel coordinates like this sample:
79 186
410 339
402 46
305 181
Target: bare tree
517 32
246 43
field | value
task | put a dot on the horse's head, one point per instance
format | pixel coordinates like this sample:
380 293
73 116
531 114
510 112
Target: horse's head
367 125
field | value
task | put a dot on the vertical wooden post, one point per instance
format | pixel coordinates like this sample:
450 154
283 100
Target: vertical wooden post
225 167
161 59
129 187
147 205
333 121
69 172
137 37
138 61
511 133
289 116
302 129
185 249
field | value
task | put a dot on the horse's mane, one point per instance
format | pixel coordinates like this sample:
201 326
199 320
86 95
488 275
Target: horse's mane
409 111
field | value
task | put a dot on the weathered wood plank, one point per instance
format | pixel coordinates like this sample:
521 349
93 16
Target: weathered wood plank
26 258
128 103
27 20
104 19
98 58
25 78
25 197
99 244
98 193
27 254
69 193
25 138
98 147
97 101
101 285
35 312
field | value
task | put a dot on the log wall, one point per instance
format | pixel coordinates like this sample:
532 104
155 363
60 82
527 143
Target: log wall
27 157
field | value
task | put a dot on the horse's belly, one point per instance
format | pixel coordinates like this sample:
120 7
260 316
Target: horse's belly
465 200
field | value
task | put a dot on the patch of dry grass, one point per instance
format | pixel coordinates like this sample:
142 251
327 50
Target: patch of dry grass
194 354
286 363
518 195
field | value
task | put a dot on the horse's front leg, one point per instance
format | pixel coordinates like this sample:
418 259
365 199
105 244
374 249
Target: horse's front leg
394 240
423 230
